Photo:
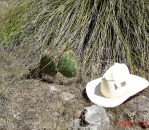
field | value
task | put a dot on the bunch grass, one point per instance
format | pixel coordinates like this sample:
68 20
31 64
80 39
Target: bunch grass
100 32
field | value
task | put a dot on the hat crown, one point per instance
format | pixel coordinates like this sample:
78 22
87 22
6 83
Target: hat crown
117 72
114 81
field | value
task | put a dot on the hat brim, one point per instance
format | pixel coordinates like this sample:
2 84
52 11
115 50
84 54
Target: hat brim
136 83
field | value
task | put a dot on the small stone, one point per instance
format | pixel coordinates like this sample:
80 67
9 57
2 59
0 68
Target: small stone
67 96
15 115
53 89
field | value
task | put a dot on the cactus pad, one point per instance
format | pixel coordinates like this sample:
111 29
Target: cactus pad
68 54
48 65
67 67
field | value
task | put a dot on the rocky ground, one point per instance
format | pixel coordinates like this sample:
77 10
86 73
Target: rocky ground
33 104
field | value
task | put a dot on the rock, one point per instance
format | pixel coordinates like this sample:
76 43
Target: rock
137 111
92 118
74 125
53 89
66 96
95 115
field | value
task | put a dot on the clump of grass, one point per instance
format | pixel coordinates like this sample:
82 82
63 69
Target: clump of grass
101 32
13 21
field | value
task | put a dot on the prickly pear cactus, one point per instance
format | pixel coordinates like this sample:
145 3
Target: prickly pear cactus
67 65
48 65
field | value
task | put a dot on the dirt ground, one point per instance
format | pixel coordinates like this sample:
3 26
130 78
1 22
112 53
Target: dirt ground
28 105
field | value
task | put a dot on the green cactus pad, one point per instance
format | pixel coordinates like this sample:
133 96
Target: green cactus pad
67 67
68 54
48 66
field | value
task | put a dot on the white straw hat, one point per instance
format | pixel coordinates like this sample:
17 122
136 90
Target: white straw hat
116 85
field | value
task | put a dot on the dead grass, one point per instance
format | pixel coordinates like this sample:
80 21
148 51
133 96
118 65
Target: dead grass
100 33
